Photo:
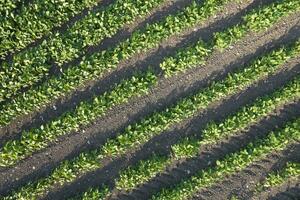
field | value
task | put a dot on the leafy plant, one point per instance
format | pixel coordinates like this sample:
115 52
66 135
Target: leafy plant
140 133
39 138
30 66
34 21
94 193
257 20
189 147
233 162
290 171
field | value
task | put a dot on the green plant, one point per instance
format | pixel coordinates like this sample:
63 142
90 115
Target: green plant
140 133
16 32
94 194
233 162
29 66
257 20
39 138
290 171
189 147
143 171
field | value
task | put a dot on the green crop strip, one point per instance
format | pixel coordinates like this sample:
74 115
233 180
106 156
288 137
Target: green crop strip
188 148
140 133
36 139
94 66
99 194
36 20
57 87
30 66
257 20
143 171
290 171
233 162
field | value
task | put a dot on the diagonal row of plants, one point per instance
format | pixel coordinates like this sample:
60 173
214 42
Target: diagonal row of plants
39 138
99 194
28 67
57 87
145 170
137 134
34 21
256 21
290 172
36 139
234 162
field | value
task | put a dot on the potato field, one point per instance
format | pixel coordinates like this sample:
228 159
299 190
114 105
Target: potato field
150 99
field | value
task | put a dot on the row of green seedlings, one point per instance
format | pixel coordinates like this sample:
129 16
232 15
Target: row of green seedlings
213 133
39 138
141 173
141 132
56 87
290 172
29 66
145 170
35 20
256 21
232 163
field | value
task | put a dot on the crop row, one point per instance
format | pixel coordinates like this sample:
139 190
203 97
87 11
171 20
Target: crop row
56 87
96 65
34 21
37 139
213 133
99 194
29 66
72 78
140 133
290 171
257 20
232 163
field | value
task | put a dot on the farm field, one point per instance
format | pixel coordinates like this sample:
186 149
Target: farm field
150 99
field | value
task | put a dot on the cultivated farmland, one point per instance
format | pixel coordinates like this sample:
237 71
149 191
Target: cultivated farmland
149 99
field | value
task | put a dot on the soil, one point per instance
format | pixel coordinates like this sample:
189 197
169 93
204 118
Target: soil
164 94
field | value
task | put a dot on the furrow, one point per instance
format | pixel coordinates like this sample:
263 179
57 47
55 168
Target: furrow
140 133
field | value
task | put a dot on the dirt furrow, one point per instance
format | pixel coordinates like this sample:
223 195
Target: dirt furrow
167 91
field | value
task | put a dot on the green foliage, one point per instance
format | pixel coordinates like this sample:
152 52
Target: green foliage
39 138
29 66
186 148
233 162
95 66
142 172
139 133
262 107
290 171
35 20
257 20
94 194
189 147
